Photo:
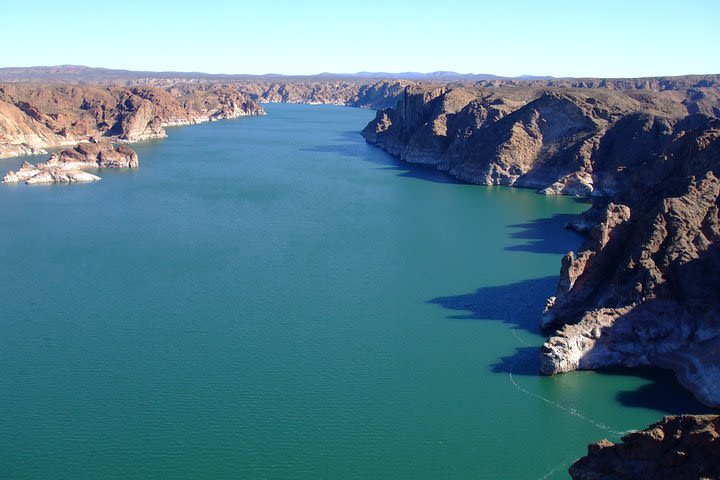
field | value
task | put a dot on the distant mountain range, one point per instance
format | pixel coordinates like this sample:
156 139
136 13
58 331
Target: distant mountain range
80 73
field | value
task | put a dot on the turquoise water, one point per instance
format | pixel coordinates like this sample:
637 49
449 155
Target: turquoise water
273 298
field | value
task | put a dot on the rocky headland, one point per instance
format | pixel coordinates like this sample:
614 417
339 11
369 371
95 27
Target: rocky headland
644 288
685 447
68 166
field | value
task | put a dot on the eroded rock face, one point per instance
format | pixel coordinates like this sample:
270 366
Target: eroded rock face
676 448
68 166
35 117
558 137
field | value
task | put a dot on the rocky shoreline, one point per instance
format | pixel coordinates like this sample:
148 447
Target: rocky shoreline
35 117
684 447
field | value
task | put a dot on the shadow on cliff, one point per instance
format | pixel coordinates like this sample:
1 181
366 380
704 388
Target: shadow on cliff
518 305
355 146
662 392
546 235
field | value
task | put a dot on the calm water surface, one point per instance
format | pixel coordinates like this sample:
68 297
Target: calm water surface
273 298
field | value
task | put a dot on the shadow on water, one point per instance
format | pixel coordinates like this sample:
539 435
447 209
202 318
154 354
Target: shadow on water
545 235
516 304
524 362
354 146
662 392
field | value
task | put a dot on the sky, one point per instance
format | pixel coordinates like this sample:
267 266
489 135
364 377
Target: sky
605 38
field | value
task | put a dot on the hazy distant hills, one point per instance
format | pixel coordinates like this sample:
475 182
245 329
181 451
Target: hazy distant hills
79 73
443 76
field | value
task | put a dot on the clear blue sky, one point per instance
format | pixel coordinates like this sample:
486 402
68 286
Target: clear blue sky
540 37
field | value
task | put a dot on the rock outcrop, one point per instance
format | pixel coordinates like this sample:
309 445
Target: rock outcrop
685 447
40 173
34 117
68 166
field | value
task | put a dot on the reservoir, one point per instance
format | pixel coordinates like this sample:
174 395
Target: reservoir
273 298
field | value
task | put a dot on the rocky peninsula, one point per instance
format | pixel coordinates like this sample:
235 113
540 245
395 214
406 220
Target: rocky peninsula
68 166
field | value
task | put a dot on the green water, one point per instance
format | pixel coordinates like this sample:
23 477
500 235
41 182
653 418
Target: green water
273 298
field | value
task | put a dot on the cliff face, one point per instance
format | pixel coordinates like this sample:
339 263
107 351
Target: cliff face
34 117
381 94
560 140
683 447
644 288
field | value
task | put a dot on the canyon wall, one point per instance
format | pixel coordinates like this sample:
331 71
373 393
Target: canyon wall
382 94
557 139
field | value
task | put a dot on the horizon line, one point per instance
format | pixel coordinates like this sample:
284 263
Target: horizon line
449 73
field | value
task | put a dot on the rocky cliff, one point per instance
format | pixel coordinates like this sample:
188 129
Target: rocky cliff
34 117
685 447
68 166
644 288
37 116
559 139
364 94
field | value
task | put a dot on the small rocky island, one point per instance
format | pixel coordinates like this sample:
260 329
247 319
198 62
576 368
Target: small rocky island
68 166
